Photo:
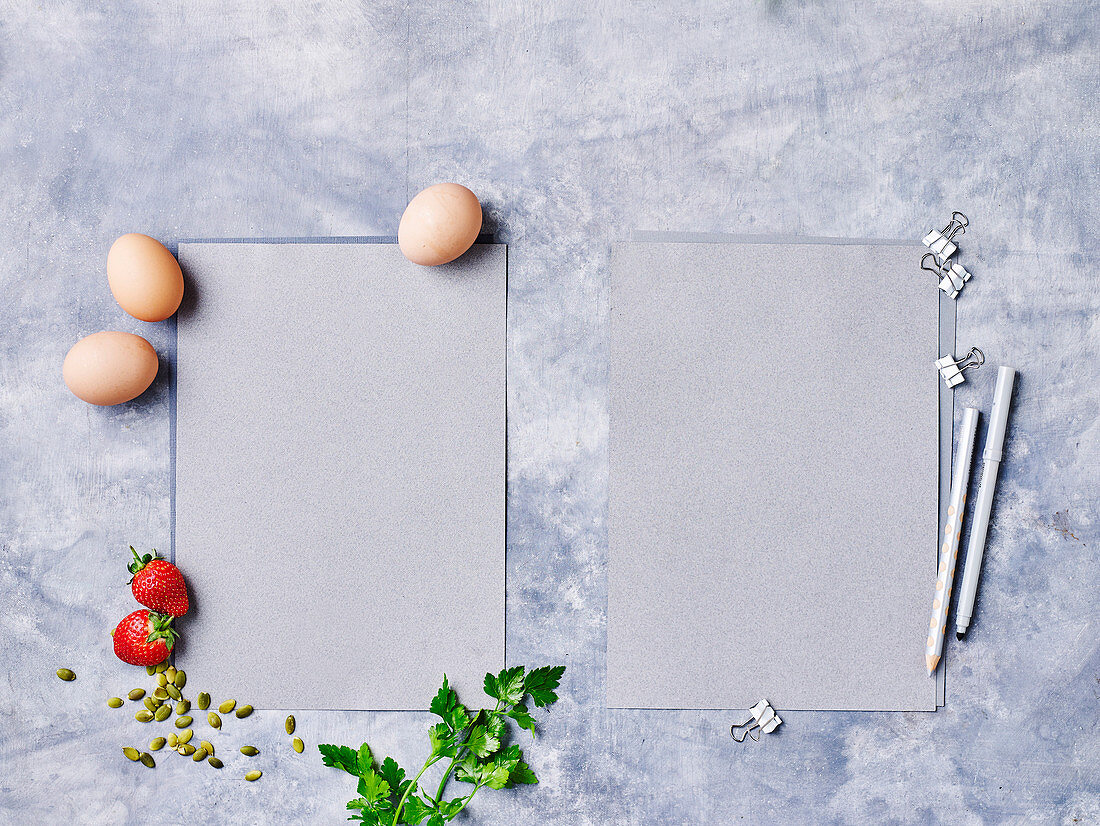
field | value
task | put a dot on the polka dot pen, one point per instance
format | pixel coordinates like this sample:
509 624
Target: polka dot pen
949 550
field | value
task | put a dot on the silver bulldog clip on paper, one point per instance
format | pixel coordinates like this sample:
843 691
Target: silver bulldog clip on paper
941 242
762 719
952 369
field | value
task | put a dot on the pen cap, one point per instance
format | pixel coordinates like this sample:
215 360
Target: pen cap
998 418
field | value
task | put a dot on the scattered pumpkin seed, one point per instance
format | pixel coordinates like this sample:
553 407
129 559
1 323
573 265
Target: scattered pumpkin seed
150 670
144 716
200 754
151 704
243 712
131 753
162 667
253 775
173 692
299 746
66 674
215 762
136 694
185 736
227 706
249 751
157 743
147 760
187 749
162 713
290 724
172 741
160 694
115 702
214 720
180 679
183 706
162 681
183 722
170 673
206 744
203 701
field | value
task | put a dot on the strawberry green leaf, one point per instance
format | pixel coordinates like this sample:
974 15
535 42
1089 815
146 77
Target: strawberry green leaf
340 757
541 682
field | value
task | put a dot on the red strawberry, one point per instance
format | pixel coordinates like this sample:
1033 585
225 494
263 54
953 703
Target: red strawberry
144 638
158 584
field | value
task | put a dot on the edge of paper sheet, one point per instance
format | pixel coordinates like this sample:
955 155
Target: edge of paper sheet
947 320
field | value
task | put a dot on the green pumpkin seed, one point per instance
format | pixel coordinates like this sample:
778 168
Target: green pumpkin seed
162 681
172 741
249 751
200 754
170 673
173 692
290 724
162 714
150 670
214 720
253 775
131 753
115 702
151 704
66 674
136 694
243 712
187 749
157 743
183 706
144 716
215 762
227 706
206 744
203 701
180 679
162 667
183 722
185 736
160 694
147 760
299 746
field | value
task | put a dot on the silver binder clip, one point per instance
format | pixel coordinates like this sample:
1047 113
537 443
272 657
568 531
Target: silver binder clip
952 370
762 719
952 276
941 241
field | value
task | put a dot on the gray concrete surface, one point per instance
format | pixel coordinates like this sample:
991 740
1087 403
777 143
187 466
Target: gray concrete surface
576 122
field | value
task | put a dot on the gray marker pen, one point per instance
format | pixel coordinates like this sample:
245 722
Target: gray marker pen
994 444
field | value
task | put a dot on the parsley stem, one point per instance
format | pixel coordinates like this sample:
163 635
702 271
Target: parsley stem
411 786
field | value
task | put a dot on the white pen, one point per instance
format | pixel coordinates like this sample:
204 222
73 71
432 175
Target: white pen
949 552
991 456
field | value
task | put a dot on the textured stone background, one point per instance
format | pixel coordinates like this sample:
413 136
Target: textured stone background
576 122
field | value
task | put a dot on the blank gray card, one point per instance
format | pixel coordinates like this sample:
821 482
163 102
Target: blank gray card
340 472
774 472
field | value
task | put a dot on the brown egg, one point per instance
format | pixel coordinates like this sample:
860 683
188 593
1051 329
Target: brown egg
110 368
439 224
145 277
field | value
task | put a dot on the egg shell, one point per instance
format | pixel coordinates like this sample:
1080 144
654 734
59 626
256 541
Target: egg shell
439 224
110 367
144 277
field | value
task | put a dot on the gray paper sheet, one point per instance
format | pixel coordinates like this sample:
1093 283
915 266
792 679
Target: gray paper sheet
774 476
340 472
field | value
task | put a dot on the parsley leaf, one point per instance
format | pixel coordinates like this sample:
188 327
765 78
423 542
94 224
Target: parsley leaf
340 757
510 685
523 717
541 683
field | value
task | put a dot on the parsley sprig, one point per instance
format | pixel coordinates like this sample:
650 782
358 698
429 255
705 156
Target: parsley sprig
473 741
